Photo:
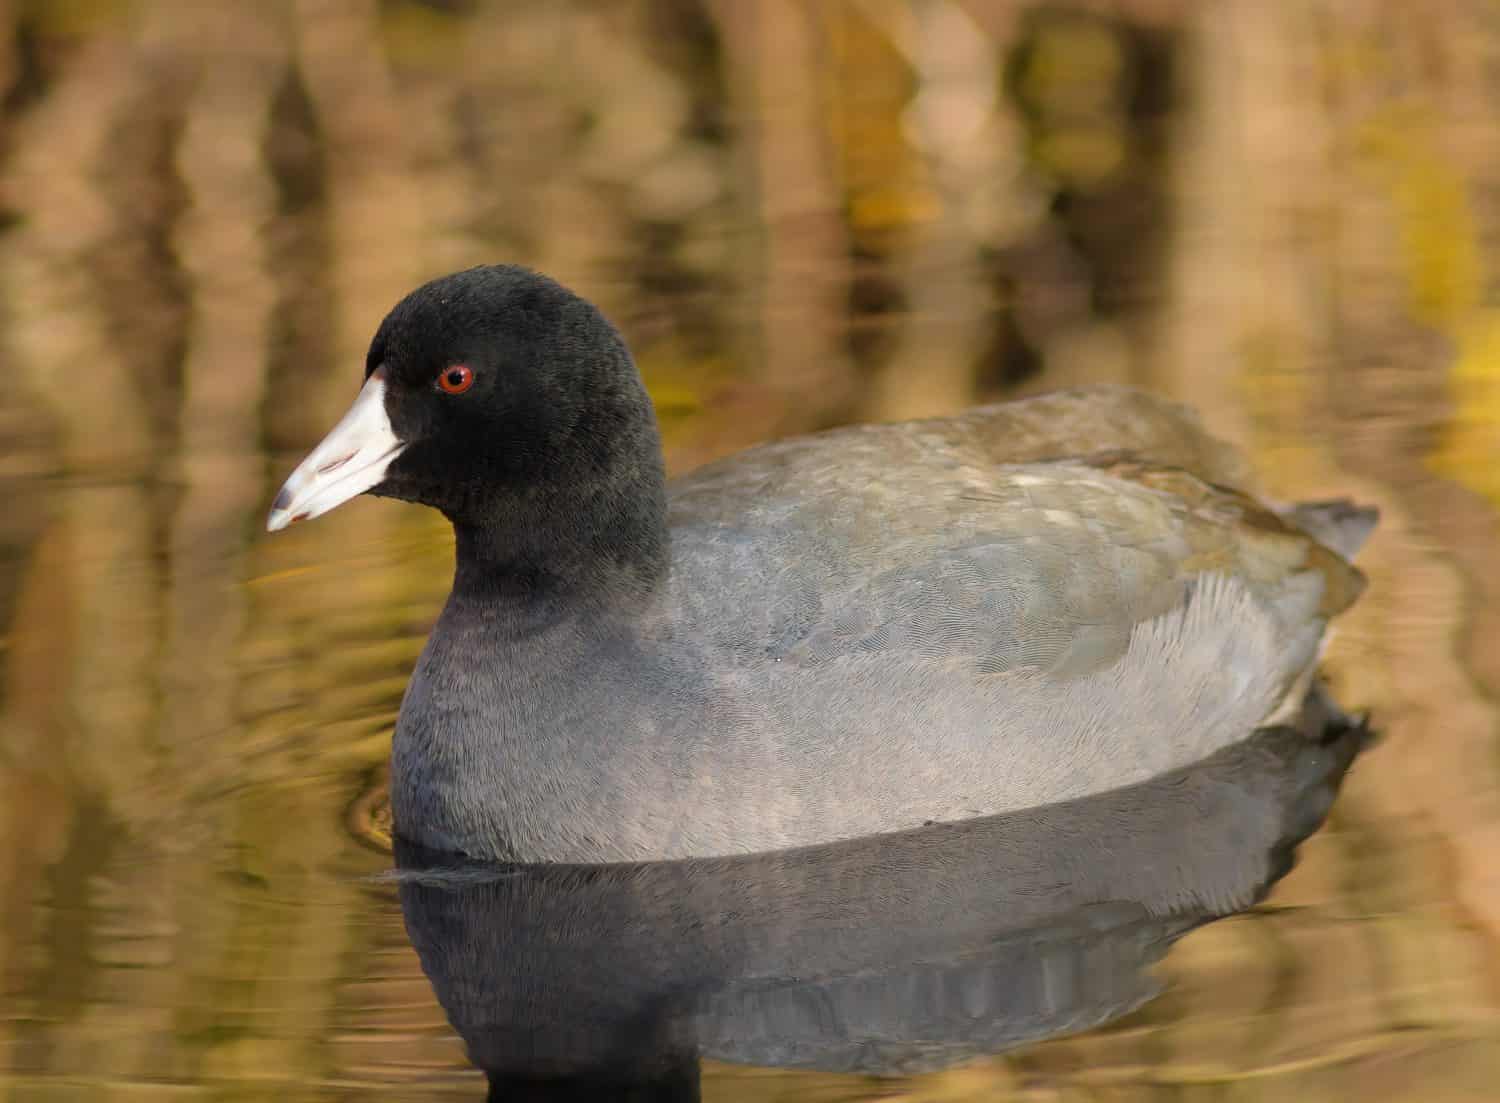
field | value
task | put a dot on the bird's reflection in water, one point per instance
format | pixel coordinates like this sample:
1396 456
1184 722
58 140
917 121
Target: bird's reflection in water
892 954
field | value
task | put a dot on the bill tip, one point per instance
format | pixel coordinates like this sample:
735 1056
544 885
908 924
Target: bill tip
279 519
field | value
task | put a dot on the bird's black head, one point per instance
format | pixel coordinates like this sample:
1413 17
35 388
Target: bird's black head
512 405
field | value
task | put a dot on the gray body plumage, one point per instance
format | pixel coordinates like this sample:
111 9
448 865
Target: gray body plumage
879 627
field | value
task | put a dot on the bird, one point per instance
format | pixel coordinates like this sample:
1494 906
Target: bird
856 632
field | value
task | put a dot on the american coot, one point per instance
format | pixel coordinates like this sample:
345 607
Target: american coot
856 632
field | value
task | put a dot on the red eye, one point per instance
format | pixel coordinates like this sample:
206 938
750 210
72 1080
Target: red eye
457 379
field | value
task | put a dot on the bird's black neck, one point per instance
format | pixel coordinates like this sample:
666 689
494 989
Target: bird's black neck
548 557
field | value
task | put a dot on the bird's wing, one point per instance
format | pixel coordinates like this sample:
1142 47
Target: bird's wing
1095 619
1047 567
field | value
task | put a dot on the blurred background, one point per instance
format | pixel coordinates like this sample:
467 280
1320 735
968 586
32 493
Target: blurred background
802 213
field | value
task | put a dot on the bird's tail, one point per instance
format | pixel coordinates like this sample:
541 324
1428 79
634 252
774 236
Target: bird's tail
1337 523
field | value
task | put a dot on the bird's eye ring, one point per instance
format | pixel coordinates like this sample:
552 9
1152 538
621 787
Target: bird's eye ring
456 379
